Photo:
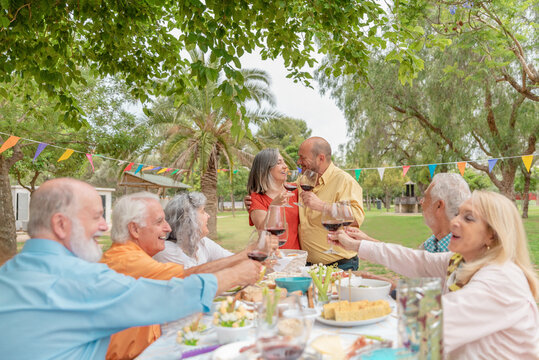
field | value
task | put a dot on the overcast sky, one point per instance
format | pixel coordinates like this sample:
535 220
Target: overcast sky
298 101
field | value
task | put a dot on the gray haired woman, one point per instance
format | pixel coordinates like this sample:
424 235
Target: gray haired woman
187 243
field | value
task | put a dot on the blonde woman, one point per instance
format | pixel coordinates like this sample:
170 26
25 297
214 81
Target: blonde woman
490 287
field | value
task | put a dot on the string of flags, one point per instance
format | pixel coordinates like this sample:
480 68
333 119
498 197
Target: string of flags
461 165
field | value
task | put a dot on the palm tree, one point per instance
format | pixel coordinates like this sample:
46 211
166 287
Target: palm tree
199 132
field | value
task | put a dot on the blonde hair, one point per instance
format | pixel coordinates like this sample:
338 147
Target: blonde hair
510 241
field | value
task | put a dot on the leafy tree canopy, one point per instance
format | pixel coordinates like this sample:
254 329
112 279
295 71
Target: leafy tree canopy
145 41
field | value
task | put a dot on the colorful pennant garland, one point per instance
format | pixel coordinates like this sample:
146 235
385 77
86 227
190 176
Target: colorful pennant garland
461 165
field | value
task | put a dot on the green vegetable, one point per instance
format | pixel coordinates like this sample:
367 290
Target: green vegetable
322 281
271 302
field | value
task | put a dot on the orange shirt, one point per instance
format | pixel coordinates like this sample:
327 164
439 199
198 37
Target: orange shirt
130 259
263 201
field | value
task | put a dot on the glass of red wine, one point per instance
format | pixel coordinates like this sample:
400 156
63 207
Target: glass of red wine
308 181
347 214
276 223
282 330
291 183
259 245
332 220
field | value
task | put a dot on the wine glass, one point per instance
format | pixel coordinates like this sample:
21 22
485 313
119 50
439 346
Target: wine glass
291 184
284 237
308 181
259 245
332 220
347 214
282 333
276 222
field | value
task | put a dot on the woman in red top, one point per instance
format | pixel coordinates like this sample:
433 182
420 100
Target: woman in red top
266 186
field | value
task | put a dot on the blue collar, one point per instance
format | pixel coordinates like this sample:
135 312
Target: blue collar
45 246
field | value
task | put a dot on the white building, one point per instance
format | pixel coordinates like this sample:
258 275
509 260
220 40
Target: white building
21 204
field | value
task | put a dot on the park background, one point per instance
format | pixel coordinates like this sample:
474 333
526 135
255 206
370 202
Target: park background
171 87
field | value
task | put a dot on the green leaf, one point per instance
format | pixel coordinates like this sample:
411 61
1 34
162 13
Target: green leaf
4 21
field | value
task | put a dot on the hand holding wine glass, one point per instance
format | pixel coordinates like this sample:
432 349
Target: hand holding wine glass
308 181
259 245
347 214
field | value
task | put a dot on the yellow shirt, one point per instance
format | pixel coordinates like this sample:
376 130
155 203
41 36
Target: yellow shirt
334 185
130 259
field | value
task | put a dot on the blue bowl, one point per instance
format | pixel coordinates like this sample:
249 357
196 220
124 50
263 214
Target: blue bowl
292 284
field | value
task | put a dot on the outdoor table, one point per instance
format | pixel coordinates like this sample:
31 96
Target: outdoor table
166 348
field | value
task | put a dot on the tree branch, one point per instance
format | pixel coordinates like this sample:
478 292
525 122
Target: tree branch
516 104
524 91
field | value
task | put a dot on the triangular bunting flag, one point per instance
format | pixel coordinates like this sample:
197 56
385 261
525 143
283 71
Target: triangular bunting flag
162 170
65 155
491 163
40 148
128 167
381 173
156 168
299 170
139 168
89 156
405 169
236 171
357 172
9 143
174 172
432 168
462 166
527 160
147 168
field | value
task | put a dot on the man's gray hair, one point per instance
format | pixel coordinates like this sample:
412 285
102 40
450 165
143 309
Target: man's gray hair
320 146
129 208
182 215
452 189
260 179
45 203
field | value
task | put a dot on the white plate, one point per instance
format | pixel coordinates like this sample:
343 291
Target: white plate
351 323
230 351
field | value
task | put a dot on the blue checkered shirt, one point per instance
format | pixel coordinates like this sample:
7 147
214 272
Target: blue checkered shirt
433 245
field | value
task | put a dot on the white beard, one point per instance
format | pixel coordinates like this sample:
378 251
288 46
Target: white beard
83 248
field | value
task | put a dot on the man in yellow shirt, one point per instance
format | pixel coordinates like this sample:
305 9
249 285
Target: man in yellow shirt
333 185
138 232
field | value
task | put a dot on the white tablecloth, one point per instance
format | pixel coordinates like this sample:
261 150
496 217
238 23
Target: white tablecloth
166 348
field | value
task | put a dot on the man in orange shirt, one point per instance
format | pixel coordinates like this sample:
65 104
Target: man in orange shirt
138 232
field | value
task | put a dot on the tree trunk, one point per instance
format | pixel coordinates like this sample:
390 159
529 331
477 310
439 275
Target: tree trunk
368 200
208 186
8 230
388 202
526 196
233 204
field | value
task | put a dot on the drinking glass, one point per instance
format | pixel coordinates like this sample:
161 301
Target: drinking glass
332 220
259 243
307 181
281 335
420 327
291 183
347 214
276 223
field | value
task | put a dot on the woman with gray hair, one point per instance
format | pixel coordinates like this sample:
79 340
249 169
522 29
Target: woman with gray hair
266 187
187 243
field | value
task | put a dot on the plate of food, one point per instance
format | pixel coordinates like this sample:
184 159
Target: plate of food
348 314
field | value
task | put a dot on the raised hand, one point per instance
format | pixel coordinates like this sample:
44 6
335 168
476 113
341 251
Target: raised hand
340 238
357 234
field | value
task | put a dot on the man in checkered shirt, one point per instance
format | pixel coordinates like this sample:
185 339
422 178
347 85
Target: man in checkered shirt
440 204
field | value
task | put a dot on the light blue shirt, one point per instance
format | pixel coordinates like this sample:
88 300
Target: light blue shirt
54 305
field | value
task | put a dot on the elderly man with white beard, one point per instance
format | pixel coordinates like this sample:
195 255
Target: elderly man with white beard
56 303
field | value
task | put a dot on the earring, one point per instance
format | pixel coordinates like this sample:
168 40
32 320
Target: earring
488 247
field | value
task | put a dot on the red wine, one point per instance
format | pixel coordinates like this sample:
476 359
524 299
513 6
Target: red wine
307 187
331 225
282 352
257 255
276 231
290 187
282 242
347 223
